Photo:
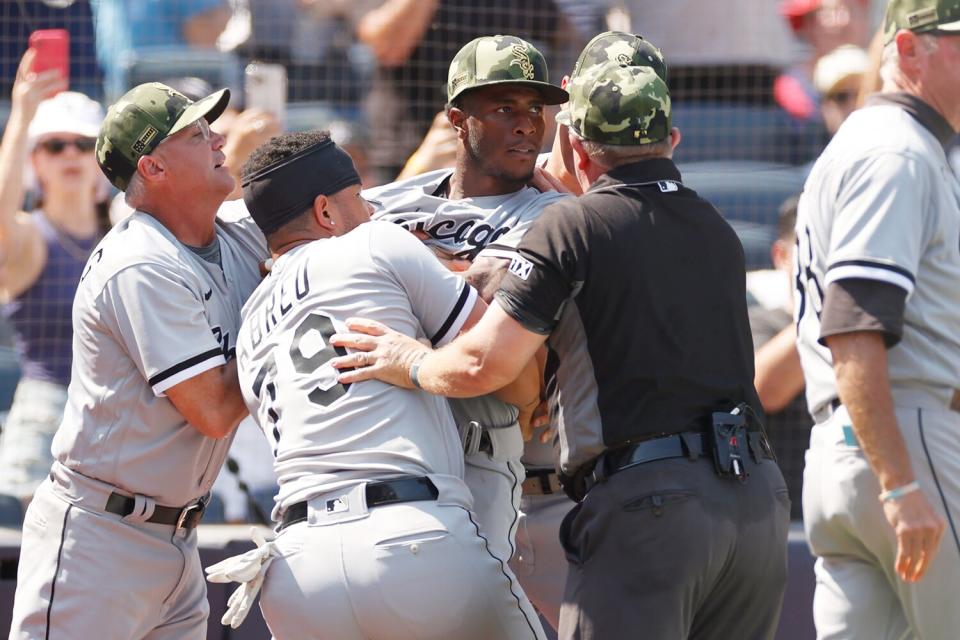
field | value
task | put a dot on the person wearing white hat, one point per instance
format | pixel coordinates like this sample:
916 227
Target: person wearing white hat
837 79
42 257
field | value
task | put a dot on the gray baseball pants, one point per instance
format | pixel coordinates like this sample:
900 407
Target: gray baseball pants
91 574
858 594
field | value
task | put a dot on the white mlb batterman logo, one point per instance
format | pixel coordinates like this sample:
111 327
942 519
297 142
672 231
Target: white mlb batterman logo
521 267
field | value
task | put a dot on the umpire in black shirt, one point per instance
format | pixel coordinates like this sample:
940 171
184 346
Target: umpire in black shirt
638 289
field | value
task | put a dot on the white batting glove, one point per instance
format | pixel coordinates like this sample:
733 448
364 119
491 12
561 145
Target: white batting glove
249 570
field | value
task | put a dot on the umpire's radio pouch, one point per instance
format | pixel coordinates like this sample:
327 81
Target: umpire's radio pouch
728 433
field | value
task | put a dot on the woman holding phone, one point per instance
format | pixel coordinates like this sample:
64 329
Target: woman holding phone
42 256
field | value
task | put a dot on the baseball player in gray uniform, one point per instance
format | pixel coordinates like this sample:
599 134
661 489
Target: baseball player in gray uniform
376 537
488 228
878 262
109 542
497 89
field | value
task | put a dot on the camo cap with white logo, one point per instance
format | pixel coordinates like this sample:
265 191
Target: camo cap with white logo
492 60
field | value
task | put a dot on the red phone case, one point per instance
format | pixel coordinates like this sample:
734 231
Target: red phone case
53 51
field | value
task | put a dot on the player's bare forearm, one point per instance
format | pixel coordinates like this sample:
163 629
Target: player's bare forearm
524 394
860 365
394 29
211 401
779 376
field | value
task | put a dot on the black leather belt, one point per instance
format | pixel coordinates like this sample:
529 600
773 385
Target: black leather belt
187 517
541 482
689 444
379 493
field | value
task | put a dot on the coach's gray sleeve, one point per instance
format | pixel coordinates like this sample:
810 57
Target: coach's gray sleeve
162 325
441 300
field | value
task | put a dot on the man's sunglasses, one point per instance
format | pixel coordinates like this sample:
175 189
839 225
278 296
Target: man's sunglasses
59 145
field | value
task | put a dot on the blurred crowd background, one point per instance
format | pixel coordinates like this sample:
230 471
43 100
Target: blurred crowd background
758 87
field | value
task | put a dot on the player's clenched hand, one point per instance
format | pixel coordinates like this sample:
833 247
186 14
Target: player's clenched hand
918 529
381 353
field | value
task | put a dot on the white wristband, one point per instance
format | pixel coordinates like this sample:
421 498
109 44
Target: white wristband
899 492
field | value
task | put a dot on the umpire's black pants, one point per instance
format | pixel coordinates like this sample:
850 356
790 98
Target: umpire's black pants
668 550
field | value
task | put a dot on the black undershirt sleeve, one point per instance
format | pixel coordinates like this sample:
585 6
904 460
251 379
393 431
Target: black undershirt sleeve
860 304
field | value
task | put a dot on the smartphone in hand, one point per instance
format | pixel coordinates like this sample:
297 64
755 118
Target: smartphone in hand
265 87
53 51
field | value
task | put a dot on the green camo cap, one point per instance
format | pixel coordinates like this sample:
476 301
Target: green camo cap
626 48
921 16
491 60
617 104
144 117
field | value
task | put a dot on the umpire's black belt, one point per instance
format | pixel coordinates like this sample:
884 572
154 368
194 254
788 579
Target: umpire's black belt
378 493
186 517
689 444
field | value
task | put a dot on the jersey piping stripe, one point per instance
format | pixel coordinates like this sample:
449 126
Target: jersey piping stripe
458 315
503 570
870 271
185 370
936 481
56 572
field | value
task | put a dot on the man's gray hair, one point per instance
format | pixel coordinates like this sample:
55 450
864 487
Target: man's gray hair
135 190
614 155
890 58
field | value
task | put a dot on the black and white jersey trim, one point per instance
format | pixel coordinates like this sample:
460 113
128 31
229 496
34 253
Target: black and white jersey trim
186 370
870 270
458 315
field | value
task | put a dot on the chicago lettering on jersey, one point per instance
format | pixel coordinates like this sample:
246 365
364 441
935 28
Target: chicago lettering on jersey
474 236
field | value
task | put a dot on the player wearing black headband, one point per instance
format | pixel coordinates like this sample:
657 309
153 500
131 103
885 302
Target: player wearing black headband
376 535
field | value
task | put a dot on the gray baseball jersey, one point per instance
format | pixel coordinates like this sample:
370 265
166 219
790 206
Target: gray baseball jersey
326 435
882 208
490 225
148 314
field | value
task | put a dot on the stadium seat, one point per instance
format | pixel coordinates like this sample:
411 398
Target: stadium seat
155 64
748 194
11 511
717 131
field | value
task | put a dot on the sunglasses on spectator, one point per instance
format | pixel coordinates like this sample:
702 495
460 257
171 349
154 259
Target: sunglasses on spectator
59 145
841 97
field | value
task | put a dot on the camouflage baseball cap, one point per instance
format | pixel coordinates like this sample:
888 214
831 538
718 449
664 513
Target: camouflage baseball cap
144 117
617 104
625 48
491 60
921 16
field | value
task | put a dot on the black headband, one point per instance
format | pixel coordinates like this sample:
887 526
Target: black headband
280 192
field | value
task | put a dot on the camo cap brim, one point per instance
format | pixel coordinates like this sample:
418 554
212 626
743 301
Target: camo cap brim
921 16
499 60
618 105
619 46
143 118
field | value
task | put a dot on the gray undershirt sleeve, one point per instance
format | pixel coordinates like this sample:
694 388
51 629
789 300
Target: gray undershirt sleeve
860 304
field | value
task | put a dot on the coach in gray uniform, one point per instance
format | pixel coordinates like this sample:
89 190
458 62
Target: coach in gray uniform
109 542
878 313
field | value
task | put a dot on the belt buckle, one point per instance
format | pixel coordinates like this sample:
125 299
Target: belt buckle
191 515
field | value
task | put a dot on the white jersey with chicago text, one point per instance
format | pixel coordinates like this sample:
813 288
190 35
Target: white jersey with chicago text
491 225
148 314
326 435
882 203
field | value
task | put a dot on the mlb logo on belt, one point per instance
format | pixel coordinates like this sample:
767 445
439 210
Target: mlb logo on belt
521 267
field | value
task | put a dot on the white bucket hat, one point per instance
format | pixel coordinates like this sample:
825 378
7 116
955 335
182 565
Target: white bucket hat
66 112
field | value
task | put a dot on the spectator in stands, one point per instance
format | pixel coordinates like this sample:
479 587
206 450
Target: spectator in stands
125 28
413 40
822 25
778 376
837 79
42 256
